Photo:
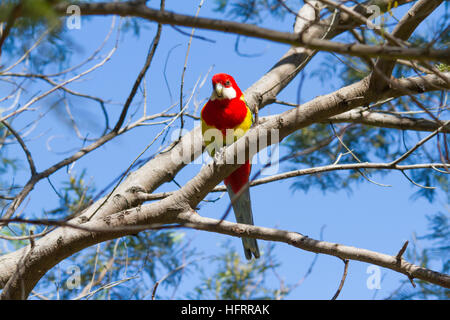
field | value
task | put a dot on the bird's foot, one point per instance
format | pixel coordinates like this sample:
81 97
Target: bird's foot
219 156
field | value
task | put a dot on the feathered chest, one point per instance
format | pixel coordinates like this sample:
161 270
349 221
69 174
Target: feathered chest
224 114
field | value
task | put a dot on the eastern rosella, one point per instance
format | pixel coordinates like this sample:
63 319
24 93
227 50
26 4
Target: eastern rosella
227 109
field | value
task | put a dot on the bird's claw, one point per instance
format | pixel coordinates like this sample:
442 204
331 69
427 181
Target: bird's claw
219 156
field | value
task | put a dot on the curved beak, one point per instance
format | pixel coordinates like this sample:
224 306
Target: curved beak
219 89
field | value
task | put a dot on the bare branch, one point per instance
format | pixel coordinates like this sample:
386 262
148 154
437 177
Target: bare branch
363 20
191 219
421 142
344 276
141 74
125 215
185 66
385 120
195 221
166 17
15 287
24 147
403 30
315 170
173 271
402 250
56 87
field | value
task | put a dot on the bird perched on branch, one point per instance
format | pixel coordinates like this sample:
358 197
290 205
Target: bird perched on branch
225 118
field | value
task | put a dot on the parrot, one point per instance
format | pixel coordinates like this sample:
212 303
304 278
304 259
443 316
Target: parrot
228 113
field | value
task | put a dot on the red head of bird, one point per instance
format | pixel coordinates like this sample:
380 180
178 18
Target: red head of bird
224 87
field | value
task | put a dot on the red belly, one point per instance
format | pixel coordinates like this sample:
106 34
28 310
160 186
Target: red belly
239 177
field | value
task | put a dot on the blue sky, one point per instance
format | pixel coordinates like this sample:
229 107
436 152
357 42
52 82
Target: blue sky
372 217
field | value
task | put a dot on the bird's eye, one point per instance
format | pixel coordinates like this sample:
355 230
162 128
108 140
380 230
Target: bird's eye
228 83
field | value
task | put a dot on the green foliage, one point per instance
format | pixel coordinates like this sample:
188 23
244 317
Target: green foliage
134 25
439 225
32 11
442 67
36 18
135 260
324 71
235 279
371 143
148 256
74 197
13 230
354 71
429 179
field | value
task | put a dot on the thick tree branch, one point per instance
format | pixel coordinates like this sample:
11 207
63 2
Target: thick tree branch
195 221
165 17
286 123
60 243
308 171
67 240
386 120
403 30
108 222
363 20
164 166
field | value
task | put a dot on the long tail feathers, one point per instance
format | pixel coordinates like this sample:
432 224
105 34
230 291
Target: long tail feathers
243 211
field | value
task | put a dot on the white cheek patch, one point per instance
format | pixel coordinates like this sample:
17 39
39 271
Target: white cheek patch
229 93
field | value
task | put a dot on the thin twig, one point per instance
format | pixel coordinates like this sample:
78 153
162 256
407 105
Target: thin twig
344 276
420 143
141 74
184 68
402 250
24 147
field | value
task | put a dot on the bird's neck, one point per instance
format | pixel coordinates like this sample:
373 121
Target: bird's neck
226 103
